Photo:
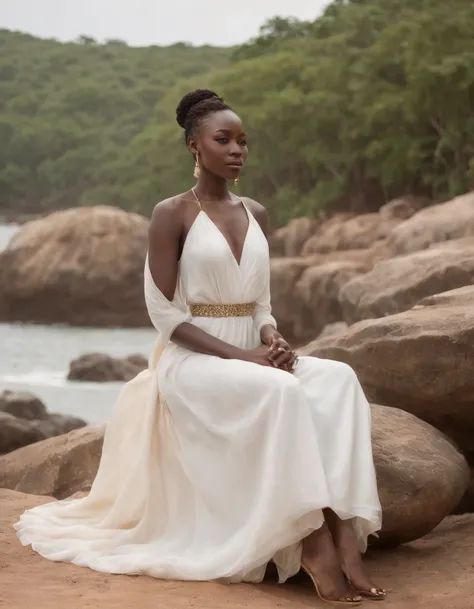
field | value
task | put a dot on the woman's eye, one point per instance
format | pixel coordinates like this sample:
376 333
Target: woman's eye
243 142
221 140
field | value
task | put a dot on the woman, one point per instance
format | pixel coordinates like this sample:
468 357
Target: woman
229 451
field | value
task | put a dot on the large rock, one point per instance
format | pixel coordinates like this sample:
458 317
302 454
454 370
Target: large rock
419 360
82 266
15 432
403 207
421 475
316 294
451 220
341 233
59 466
399 283
23 405
25 420
288 240
99 367
284 273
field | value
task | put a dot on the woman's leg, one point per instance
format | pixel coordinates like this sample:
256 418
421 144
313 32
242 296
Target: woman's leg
321 559
350 559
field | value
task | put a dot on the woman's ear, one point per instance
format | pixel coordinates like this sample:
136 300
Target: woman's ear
192 146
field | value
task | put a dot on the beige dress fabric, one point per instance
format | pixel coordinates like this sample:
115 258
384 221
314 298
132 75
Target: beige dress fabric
211 467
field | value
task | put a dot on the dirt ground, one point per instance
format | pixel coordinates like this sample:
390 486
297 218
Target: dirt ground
436 572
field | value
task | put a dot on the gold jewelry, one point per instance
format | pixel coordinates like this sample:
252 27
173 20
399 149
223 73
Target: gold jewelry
197 169
245 309
236 182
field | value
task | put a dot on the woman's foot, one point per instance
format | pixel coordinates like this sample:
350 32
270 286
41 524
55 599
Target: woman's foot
320 559
350 558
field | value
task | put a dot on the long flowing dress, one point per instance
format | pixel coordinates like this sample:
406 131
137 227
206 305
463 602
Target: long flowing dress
211 468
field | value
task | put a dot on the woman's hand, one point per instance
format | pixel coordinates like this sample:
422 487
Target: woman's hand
259 355
281 355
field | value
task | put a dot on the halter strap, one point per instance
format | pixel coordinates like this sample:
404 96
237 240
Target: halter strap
197 198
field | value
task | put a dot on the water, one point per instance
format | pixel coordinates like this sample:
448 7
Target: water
36 358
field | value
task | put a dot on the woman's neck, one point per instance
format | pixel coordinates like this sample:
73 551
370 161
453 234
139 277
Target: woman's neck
212 188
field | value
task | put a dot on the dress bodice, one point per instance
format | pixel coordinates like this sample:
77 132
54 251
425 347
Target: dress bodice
209 271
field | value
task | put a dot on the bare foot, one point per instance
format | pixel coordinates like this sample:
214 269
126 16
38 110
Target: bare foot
321 560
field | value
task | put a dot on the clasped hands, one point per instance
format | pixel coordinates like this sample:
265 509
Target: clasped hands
274 351
281 355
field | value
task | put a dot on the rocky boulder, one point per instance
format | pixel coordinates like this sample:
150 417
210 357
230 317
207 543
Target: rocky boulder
399 283
284 273
421 475
15 433
316 294
403 207
59 466
99 367
451 220
25 420
82 266
342 233
419 360
288 240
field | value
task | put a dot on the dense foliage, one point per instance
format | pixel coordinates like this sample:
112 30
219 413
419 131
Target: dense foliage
373 99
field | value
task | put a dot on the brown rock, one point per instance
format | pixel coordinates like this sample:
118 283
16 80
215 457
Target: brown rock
421 475
99 367
316 294
24 405
432 573
82 266
25 420
59 466
284 273
15 432
359 232
403 208
338 327
467 502
288 240
57 424
419 361
399 283
451 220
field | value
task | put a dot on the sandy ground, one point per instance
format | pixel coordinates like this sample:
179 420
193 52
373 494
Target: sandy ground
434 573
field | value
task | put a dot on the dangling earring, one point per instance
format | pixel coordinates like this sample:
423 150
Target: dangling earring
197 169
236 182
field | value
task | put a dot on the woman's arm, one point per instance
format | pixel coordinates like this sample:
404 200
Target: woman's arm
280 352
164 237
265 323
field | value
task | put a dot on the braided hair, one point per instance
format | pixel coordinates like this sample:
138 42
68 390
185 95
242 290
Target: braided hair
195 106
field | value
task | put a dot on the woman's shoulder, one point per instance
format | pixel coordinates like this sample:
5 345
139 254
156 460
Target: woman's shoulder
172 205
258 211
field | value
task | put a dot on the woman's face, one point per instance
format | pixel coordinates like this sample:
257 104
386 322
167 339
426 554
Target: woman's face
221 144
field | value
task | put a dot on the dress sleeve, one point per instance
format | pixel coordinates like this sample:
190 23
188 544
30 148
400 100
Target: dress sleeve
263 311
166 316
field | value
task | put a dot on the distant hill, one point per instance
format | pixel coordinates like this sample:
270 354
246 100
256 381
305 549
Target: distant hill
370 101
67 110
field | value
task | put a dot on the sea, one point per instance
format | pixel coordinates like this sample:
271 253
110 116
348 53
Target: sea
35 358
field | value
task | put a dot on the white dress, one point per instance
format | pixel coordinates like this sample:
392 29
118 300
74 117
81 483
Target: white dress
211 467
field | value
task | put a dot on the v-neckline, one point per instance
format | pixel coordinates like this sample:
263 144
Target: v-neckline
242 251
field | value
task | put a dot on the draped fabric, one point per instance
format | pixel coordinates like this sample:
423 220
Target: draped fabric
211 467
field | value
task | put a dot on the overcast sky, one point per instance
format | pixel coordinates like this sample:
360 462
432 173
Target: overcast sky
144 22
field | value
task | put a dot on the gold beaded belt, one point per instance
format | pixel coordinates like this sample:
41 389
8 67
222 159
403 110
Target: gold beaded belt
222 310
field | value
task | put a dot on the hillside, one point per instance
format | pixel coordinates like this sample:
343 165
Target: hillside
372 100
